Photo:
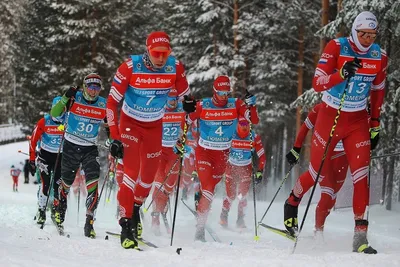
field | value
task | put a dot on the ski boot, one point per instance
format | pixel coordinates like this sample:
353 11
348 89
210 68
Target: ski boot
290 215
54 209
41 216
136 223
155 223
197 196
61 209
223 218
200 234
360 242
240 222
88 228
127 239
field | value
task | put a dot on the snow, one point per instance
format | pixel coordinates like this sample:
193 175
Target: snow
22 243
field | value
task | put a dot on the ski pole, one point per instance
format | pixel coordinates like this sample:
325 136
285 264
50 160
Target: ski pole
277 191
185 129
386 155
253 179
323 160
162 185
23 153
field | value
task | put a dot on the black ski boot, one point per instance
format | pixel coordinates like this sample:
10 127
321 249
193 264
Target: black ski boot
136 223
290 213
61 209
200 234
360 241
127 239
197 196
41 216
88 228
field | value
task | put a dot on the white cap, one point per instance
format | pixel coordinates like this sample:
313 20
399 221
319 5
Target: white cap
364 21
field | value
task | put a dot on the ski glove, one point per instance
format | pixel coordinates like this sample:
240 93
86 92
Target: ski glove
374 136
189 104
293 155
250 99
258 177
71 92
350 68
32 167
116 149
179 148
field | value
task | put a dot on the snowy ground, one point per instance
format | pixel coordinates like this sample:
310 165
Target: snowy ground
22 243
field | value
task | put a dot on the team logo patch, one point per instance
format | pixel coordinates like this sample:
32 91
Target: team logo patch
102 104
346 49
374 53
206 104
169 68
139 66
231 105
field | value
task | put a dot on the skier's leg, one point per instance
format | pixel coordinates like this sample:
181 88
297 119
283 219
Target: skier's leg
91 168
230 187
245 176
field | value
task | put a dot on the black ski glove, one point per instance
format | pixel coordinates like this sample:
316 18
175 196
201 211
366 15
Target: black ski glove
189 104
116 149
293 155
71 92
32 167
350 68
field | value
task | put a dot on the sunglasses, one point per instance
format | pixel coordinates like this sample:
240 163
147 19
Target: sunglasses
159 53
222 93
94 87
367 35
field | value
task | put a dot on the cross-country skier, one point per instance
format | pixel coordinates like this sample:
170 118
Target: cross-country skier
217 122
86 114
239 170
144 82
339 74
48 158
335 175
15 172
173 121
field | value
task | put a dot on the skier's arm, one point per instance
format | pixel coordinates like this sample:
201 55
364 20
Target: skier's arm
106 128
36 136
181 83
378 92
250 113
195 115
326 75
260 152
118 89
59 108
307 125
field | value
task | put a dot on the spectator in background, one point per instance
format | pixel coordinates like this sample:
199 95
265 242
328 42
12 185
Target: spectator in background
26 171
15 172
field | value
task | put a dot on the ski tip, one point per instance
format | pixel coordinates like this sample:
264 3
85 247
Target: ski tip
106 238
178 251
68 236
256 238
108 200
145 210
